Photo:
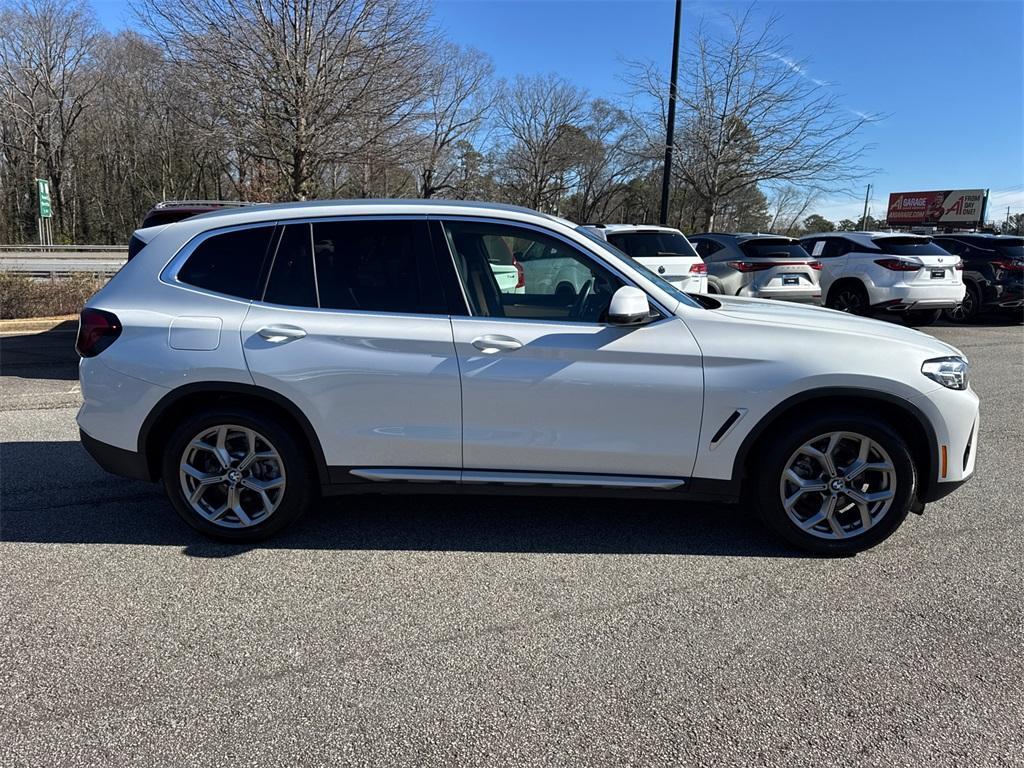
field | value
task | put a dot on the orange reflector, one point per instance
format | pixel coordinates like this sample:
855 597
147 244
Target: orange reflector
945 461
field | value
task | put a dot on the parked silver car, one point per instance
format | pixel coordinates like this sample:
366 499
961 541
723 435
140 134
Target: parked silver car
759 266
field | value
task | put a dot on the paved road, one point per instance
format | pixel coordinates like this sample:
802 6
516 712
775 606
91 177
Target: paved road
464 631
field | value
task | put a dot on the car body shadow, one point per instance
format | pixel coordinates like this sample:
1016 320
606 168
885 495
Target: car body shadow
78 503
44 355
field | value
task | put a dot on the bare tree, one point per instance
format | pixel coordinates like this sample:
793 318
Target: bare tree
459 95
540 119
787 205
299 83
752 115
46 53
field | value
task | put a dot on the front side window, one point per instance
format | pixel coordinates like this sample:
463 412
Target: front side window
229 262
552 280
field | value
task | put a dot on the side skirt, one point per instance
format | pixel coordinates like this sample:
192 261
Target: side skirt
420 480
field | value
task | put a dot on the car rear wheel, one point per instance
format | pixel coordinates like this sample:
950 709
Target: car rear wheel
235 474
919 317
837 484
849 297
967 310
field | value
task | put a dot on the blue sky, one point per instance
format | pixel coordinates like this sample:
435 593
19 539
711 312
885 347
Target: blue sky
948 74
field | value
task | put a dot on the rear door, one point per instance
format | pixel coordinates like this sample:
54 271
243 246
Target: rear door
780 266
831 253
353 328
549 386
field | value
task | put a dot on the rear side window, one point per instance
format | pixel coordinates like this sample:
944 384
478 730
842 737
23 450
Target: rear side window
291 277
909 246
372 266
651 244
760 249
228 263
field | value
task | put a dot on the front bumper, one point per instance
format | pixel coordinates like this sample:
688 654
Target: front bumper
954 418
116 460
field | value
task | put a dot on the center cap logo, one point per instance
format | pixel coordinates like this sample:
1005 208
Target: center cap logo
234 476
837 484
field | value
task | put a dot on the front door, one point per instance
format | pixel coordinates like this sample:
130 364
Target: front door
353 328
547 384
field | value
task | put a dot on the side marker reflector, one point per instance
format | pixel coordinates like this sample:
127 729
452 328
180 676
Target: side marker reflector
945 461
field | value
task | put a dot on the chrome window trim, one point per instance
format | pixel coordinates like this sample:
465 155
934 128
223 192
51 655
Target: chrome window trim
550 233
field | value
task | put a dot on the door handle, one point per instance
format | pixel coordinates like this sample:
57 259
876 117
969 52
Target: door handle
278 334
492 343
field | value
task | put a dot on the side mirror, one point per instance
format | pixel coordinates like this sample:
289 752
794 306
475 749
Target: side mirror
629 307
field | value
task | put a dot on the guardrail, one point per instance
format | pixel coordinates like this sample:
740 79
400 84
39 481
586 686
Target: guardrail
59 261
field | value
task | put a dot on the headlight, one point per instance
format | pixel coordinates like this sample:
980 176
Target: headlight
950 372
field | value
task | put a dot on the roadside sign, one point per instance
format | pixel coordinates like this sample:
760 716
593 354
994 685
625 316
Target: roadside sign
960 207
43 188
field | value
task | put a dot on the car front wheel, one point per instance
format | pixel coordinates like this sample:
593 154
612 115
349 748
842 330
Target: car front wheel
235 474
849 297
836 484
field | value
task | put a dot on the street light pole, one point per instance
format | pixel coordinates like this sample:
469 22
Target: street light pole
670 129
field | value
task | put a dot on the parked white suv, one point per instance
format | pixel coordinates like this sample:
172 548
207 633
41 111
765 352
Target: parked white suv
253 359
661 249
867 272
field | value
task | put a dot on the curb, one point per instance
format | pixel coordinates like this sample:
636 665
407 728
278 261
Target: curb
35 324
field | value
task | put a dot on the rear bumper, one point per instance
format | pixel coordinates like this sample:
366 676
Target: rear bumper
916 297
1004 295
116 460
803 296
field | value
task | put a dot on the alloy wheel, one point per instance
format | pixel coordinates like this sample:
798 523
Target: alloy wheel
232 476
838 485
849 301
964 310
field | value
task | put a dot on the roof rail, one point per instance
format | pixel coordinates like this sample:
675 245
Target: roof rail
222 203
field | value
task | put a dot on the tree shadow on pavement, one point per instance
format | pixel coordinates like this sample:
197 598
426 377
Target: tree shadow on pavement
53 493
46 355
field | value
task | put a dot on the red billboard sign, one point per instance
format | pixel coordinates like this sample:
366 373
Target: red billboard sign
960 207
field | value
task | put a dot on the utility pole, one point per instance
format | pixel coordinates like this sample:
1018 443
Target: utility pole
666 176
864 218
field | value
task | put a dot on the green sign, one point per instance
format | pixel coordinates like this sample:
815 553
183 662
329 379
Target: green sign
43 188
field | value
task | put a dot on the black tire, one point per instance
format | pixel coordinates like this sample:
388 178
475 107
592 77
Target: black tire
300 489
849 297
967 311
713 289
774 456
917 318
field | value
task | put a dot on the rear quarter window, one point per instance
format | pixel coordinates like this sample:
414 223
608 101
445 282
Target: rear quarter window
229 262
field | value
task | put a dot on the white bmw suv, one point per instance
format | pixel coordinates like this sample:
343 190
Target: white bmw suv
868 272
254 359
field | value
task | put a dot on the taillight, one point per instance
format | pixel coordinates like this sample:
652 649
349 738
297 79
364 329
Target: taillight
521 275
97 330
1008 264
959 265
757 266
814 265
898 265
700 268
750 266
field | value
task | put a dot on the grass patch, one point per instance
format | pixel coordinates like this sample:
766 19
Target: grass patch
21 296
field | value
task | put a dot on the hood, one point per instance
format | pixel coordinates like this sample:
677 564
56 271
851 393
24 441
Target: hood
788 314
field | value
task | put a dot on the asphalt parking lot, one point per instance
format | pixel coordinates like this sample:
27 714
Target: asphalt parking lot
492 631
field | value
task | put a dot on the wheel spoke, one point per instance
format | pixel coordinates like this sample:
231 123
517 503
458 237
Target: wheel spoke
869 497
263 485
221 450
203 478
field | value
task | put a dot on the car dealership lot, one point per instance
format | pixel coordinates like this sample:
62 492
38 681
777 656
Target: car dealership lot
466 630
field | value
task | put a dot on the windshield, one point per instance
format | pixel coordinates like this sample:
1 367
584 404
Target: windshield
763 248
909 246
666 286
652 243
